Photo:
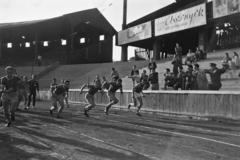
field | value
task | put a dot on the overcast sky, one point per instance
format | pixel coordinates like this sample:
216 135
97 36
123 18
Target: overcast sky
24 10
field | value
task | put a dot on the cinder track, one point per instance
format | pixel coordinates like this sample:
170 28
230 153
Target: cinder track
119 136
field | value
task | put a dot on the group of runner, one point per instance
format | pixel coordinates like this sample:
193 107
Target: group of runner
14 88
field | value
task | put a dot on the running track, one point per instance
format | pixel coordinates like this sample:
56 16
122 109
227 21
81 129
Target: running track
37 135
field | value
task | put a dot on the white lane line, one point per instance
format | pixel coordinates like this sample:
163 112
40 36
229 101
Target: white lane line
182 126
182 134
102 141
184 146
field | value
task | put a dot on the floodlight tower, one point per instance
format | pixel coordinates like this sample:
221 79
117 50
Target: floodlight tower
124 56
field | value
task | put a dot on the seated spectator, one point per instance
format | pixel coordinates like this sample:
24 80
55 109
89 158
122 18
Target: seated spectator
114 73
180 79
169 79
235 61
133 73
176 62
225 61
202 82
215 75
144 77
152 65
199 54
190 57
153 80
94 80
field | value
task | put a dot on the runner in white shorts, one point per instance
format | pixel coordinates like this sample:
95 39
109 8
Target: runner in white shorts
137 95
89 97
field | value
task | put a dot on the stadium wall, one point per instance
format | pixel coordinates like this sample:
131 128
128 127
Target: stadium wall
200 104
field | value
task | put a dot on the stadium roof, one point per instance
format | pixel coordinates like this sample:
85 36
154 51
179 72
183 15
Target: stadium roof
58 25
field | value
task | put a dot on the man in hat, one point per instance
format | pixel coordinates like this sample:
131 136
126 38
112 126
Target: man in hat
215 75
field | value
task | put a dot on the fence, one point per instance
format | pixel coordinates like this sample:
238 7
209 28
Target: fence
205 104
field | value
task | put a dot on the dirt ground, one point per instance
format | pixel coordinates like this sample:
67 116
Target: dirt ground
122 135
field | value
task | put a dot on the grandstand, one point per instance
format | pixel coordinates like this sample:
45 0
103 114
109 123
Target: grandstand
78 74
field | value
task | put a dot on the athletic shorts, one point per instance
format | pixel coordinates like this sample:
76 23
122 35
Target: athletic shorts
90 99
12 97
136 95
111 96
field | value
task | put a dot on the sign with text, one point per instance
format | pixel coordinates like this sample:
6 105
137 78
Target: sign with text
189 18
225 7
136 33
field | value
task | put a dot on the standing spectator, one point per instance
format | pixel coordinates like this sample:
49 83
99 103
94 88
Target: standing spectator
178 51
33 88
201 78
225 61
114 73
176 63
189 77
9 94
153 80
39 60
199 54
144 77
152 65
134 71
180 79
236 61
215 75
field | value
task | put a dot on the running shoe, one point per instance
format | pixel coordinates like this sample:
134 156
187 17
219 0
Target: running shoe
12 116
51 112
129 106
138 114
85 113
8 124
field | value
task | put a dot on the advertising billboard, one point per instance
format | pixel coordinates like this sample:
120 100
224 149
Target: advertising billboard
225 7
136 33
189 18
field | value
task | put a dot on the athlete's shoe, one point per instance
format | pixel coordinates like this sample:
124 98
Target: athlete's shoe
51 112
85 113
138 114
106 111
26 108
129 106
12 116
68 106
8 124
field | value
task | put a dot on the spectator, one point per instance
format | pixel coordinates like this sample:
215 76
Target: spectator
236 61
97 78
189 78
169 79
153 80
201 77
39 60
152 65
133 73
144 77
105 84
215 75
178 51
136 77
225 61
114 73
176 63
180 79
199 54
33 88
190 57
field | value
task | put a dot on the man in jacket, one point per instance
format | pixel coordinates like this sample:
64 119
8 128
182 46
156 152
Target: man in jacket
33 88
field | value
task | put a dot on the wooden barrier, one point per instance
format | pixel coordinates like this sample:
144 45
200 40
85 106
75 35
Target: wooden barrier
223 104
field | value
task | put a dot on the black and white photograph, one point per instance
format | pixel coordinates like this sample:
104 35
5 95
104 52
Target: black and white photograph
119 80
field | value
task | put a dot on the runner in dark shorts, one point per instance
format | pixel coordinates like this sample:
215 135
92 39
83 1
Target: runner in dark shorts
57 96
9 94
89 97
114 86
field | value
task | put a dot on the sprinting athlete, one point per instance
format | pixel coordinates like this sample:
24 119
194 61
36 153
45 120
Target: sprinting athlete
137 95
23 91
89 97
10 95
65 94
114 86
57 96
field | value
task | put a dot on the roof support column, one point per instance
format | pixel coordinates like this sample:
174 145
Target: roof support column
203 40
0 51
36 46
156 48
124 56
72 47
